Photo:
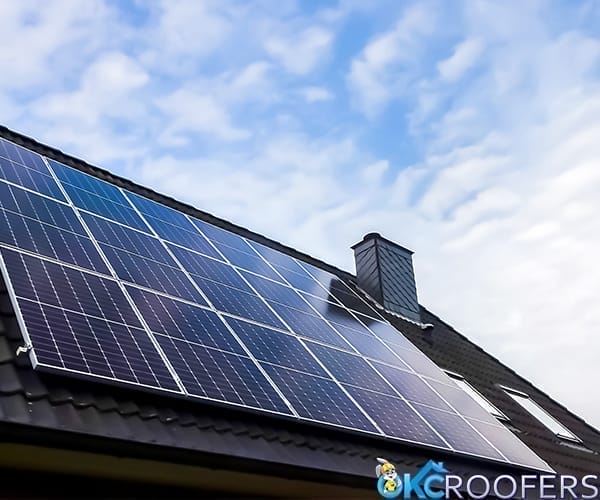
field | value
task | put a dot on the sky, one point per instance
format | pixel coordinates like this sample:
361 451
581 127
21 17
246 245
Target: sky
466 131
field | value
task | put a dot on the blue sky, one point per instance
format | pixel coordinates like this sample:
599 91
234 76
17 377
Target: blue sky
465 131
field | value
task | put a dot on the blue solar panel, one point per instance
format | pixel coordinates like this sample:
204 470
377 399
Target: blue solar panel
182 320
457 432
96 196
127 239
32 175
369 346
221 376
233 301
23 157
275 292
188 307
319 399
151 274
411 386
419 362
513 449
211 269
44 239
386 332
82 322
248 262
223 237
275 347
395 417
460 401
303 282
307 325
336 314
161 212
349 368
278 260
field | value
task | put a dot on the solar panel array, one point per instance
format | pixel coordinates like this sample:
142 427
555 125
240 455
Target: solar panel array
111 285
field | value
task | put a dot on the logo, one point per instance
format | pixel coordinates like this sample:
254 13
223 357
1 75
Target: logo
427 483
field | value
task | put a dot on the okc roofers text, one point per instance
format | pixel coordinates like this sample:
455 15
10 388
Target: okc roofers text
548 486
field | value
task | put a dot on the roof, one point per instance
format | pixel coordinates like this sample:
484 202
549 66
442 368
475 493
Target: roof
60 411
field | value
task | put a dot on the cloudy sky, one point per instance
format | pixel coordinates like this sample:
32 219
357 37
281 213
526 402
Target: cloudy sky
467 132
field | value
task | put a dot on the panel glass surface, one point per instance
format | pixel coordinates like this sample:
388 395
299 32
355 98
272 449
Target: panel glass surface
221 376
182 320
319 399
47 228
395 417
83 323
237 302
27 169
211 269
202 312
275 347
96 196
349 368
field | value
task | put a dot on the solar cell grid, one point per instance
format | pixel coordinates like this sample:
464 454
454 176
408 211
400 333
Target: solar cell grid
370 347
178 319
151 274
160 212
29 178
513 449
223 237
349 368
237 302
67 288
83 322
275 347
221 376
248 262
38 207
458 433
319 399
44 239
275 292
188 239
211 269
278 259
104 207
23 156
127 239
411 386
302 282
395 417
308 325
80 180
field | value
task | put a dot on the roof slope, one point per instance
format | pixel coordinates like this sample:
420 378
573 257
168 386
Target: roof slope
109 415
454 352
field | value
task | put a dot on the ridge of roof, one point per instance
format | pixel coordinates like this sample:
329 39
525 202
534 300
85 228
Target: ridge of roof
106 175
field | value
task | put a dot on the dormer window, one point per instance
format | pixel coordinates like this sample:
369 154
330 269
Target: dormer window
542 415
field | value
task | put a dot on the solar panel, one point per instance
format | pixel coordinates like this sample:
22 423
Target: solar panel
110 285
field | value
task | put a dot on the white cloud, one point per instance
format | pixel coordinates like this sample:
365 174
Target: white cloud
105 90
189 111
385 66
31 32
301 52
316 94
464 56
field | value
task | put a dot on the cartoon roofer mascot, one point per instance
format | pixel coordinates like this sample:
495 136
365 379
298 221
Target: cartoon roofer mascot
389 484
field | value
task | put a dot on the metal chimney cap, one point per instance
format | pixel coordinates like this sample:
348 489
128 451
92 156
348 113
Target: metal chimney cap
377 236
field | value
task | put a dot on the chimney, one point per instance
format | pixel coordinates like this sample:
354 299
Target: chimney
385 271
